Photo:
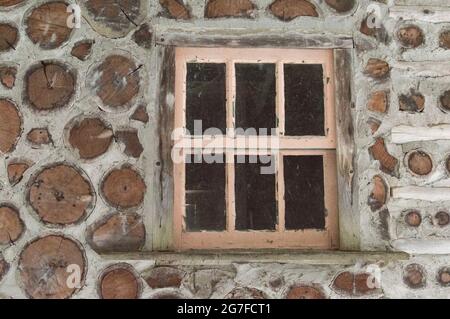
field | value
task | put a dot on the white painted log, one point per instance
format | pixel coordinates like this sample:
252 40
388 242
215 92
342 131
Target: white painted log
405 134
429 194
422 246
434 14
428 69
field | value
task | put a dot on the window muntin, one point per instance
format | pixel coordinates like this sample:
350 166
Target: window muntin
278 226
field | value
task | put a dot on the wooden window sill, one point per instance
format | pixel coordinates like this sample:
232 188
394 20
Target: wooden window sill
217 258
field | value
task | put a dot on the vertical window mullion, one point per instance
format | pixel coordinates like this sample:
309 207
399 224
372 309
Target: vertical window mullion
230 187
280 99
280 192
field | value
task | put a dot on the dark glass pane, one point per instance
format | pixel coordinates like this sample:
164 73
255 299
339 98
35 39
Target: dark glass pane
205 196
206 96
256 206
304 192
304 99
255 97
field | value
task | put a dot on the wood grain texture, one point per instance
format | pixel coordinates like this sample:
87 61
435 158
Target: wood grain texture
47 25
10 125
348 211
61 195
43 266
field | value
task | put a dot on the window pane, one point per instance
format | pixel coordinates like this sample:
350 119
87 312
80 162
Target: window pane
255 97
304 99
205 196
256 206
304 192
206 96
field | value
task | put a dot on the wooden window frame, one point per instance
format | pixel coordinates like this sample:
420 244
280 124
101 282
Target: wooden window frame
289 145
162 221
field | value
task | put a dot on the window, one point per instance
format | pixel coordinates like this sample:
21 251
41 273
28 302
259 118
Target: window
254 149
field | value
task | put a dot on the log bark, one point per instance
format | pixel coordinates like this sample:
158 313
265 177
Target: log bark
47 25
61 195
45 265
123 188
49 86
10 126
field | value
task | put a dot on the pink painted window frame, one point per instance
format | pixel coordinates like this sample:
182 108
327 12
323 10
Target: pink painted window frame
308 145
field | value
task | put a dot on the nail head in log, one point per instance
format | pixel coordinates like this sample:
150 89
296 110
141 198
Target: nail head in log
377 69
114 18
91 137
388 163
341 5
305 292
287 10
413 218
378 102
444 40
378 196
410 36
82 49
229 8
49 86
412 102
61 195
119 282
414 276
175 9
11 226
420 163
116 82
445 101
16 171
10 125
119 232
47 25
46 264
442 218
10 3
123 188
9 36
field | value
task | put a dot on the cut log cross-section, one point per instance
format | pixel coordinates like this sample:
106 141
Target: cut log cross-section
119 283
47 25
61 195
49 86
10 126
229 8
11 226
10 3
287 10
9 35
46 264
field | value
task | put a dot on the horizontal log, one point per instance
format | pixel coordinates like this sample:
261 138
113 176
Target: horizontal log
429 194
405 134
422 246
428 13
243 39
